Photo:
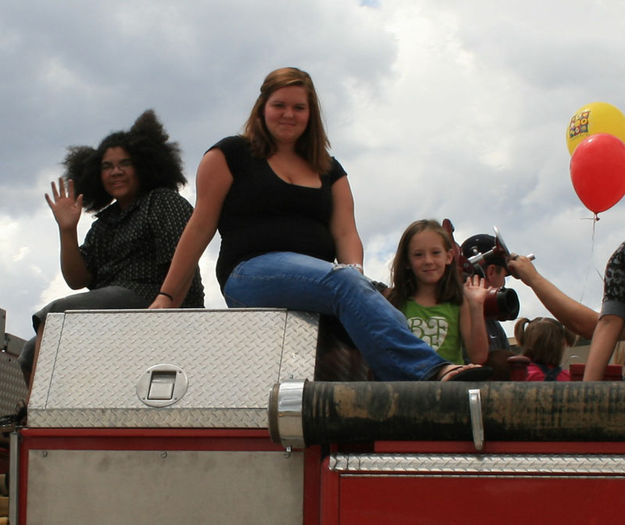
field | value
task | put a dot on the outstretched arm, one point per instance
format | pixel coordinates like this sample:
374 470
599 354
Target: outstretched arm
66 208
602 345
472 321
575 316
213 182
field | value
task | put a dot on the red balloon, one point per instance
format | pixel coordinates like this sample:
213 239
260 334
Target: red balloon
598 171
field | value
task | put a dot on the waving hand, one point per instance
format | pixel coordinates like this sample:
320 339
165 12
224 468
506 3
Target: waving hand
64 205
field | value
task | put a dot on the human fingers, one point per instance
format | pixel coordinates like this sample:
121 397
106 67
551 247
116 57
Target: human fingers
471 283
521 268
70 189
49 201
61 187
511 264
55 193
478 281
520 259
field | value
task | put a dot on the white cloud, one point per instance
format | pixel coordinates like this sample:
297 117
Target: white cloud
436 109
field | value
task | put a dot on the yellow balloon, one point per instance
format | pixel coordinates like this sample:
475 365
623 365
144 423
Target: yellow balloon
596 117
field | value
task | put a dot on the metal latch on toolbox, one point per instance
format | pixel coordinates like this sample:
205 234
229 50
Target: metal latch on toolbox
162 385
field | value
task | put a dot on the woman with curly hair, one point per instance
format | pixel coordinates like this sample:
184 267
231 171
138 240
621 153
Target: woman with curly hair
285 213
131 182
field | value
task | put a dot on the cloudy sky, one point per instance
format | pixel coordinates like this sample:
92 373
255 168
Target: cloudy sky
435 108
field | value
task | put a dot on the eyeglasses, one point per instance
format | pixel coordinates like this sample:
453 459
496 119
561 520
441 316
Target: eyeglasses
122 165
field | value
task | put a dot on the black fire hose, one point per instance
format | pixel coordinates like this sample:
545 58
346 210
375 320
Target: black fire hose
311 413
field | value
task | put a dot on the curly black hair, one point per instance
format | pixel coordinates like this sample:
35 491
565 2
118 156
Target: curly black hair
157 162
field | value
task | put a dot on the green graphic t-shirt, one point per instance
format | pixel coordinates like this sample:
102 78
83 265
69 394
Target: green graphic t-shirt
438 326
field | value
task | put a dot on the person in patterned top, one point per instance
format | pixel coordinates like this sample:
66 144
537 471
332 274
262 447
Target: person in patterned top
611 318
131 182
579 318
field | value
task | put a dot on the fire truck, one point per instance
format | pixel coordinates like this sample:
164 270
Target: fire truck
269 416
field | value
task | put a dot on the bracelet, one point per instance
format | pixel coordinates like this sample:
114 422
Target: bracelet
356 266
166 295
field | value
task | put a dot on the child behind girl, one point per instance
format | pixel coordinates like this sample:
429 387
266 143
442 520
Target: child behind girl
426 287
543 341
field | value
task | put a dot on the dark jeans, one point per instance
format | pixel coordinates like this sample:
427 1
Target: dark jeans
106 298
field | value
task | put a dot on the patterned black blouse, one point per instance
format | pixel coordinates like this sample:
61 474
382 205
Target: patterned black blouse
614 284
134 247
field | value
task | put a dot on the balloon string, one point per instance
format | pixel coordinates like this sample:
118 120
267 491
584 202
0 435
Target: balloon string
599 272
591 258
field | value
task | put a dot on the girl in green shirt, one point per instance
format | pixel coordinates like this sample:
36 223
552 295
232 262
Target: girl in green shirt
426 287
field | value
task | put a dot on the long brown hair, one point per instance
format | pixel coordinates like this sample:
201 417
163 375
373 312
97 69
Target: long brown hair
543 339
313 145
403 281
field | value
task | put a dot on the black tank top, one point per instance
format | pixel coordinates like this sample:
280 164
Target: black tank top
262 213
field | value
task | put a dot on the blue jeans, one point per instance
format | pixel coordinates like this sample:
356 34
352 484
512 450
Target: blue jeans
299 282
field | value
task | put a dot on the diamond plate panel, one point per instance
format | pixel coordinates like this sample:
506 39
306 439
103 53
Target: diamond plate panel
46 360
297 359
91 365
494 464
206 417
13 387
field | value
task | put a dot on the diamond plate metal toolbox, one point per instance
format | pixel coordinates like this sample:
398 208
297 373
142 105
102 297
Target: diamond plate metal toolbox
168 368
12 385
